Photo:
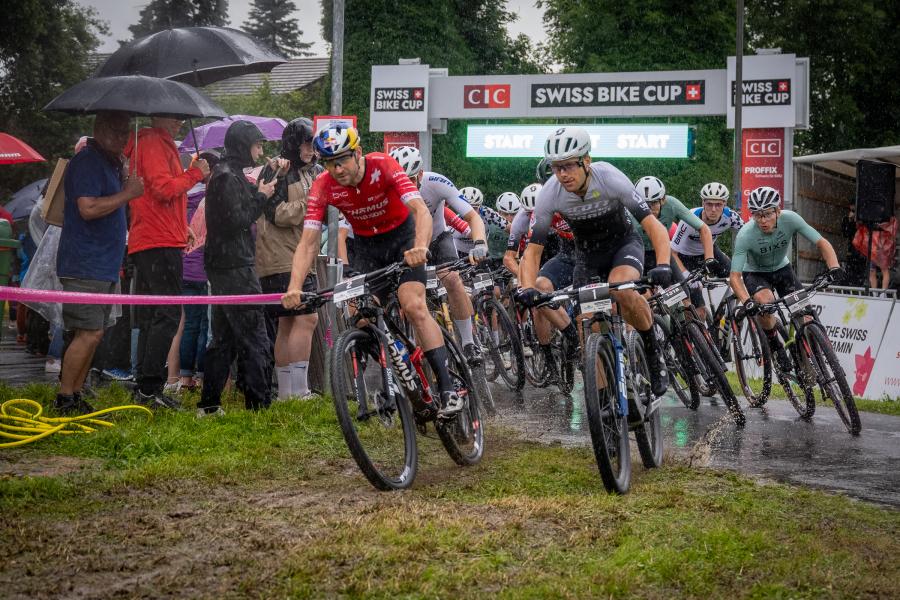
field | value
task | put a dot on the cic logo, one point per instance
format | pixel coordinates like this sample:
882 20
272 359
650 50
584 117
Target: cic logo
486 96
767 148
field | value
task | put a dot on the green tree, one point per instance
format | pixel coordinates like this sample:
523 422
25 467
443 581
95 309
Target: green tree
44 45
166 14
271 22
853 48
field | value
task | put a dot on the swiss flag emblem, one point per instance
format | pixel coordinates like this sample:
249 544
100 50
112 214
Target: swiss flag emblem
418 93
693 92
784 86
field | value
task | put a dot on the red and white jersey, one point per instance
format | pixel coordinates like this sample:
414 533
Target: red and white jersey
377 205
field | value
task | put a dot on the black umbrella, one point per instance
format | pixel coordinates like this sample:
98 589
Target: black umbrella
196 55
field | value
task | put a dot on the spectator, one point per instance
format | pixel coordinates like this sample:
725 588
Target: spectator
192 350
156 240
855 262
232 207
91 246
278 232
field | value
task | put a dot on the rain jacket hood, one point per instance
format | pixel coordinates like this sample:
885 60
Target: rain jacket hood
238 140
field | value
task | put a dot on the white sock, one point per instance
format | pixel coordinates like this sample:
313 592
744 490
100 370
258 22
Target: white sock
285 386
299 381
464 327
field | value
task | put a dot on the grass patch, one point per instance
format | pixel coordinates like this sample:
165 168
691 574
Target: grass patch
886 407
270 505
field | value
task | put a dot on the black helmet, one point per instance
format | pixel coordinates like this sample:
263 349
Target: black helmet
542 171
296 133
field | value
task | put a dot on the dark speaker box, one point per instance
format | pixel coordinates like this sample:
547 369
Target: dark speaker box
875 189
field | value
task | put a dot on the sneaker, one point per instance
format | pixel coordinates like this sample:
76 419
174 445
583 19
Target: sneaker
659 375
72 405
172 388
451 405
784 360
473 355
212 411
156 400
308 396
52 366
117 374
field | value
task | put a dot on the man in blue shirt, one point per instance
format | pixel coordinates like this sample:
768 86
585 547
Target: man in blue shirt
91 246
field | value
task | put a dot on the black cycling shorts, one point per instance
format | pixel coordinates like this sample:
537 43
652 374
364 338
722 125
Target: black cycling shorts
599 263
784 281
377 251
278 284
443 249
559 270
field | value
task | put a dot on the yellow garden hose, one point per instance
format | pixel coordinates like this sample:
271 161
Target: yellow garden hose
31 426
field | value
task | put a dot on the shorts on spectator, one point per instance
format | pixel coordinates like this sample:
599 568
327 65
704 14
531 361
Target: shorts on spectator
86 316
278 284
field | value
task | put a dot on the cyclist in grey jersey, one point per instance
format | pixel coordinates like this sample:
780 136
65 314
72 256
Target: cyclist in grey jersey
436 191
598 201
760 263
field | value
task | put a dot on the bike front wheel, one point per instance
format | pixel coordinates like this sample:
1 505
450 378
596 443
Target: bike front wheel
831 378
707 357
608 424
504 346
378 426
462 435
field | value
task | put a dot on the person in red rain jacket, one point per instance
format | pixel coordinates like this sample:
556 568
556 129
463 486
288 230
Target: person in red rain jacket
158 233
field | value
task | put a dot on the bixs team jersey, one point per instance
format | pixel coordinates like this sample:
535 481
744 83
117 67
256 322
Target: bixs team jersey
755 251
377 205
438 191
686 240
600 220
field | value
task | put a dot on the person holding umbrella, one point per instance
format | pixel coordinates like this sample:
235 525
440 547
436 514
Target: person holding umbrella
156 240
91 246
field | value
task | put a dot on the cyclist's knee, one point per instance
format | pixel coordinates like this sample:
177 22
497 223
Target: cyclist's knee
764 296
543 284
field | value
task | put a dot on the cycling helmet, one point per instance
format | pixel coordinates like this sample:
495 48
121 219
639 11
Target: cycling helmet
336 141
650 188
763 198
529 196
714 191
542 172
473 196
409 158
508 202
298 132
566 143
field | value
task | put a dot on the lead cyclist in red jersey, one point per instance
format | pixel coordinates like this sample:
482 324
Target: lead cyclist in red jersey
391 223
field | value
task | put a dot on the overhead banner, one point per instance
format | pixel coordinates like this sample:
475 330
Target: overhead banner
763 162
767 91
399 98
607 141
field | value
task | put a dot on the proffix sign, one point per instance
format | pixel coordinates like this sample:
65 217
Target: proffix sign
763 162
630 93
399 98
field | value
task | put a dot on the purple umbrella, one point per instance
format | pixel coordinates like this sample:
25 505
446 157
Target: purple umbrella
212 135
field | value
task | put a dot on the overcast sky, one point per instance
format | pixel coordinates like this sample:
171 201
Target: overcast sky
122 13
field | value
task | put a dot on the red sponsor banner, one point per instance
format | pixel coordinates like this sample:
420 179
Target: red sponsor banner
762 162
486 96
397 139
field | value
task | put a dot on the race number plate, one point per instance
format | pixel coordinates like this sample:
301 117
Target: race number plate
441 291
797 302
432 280
673 296
482 281
595 298
351 288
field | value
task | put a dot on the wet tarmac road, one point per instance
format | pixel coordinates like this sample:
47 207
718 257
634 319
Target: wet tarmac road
774 444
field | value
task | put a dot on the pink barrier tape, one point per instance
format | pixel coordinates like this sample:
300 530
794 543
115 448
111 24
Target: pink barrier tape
28 295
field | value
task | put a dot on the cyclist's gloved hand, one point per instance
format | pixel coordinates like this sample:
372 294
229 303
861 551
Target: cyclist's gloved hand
711 266
837 275
527 297
479 252
750 308
660 275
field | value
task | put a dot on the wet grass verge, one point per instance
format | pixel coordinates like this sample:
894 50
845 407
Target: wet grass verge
270 505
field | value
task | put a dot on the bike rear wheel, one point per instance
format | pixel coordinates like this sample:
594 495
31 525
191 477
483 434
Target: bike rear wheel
536 372
680 378
379 431
608 426
704 352
462 435
798 385
648 434
832 380
507 348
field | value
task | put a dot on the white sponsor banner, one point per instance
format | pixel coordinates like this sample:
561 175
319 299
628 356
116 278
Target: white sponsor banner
399 98
855 327
768 91
884 381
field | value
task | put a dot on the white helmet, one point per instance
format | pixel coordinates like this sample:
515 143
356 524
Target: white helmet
714 191
529 196
762 198
473 196
508 202
566 143
409 158
650 188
